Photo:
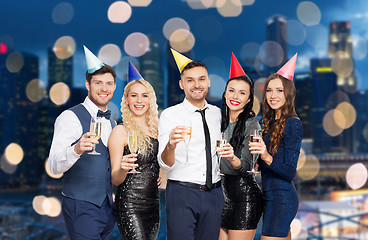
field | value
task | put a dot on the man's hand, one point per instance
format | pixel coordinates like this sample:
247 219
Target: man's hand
85 143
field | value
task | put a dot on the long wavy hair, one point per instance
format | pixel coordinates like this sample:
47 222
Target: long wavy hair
287 111
238 135
151 116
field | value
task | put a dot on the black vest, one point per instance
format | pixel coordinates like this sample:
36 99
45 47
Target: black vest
89 179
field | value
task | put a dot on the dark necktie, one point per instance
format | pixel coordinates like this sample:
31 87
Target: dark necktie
208 149
106 114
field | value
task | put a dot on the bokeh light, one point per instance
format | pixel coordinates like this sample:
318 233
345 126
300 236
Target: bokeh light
47 169
248 52
336 98
182 40
216 65
36 90
209 28
119 12
14 153
342 65
295 227
256 106
329 124
271 53
110 54
229 8
136 44
356 176
174 24
139 3
258 88
349 113
200 4
316 34
217 88
37 204
310 169
308 13
359 47
14 62
296 33
121 68
247 2
115 111
6 166
51 206
59 93
302 159
62 13
64 47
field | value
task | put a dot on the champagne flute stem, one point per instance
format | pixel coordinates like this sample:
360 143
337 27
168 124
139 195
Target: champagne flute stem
186 155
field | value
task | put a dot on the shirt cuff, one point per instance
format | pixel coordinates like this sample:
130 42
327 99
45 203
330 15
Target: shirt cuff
72 156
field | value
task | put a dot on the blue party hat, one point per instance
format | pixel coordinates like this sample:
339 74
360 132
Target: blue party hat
133 73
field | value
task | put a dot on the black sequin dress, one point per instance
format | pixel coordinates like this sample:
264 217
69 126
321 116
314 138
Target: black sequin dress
137 200
243 205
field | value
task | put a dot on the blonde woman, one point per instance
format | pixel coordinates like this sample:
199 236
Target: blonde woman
137 205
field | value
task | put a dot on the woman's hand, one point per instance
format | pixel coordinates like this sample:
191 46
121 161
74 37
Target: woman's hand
261 149
127 163
227 151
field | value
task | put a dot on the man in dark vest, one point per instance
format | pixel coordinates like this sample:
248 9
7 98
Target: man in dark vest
87 190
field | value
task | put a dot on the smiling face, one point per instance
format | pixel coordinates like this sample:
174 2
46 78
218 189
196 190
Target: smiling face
195 83
138 99
101 89
275 96
237 96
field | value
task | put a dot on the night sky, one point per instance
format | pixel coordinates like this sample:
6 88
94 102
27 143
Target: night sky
27 25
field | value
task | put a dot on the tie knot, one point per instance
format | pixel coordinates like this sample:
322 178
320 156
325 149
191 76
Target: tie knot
201 111
106 114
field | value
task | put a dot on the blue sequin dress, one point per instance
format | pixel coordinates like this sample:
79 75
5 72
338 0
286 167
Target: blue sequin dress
279 193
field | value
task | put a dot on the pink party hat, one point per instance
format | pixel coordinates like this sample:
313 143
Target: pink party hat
235 69
288 69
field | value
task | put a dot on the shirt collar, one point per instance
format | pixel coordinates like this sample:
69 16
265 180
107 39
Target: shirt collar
92 106
191 108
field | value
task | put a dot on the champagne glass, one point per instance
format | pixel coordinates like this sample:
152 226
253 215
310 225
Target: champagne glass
133 146
187 136
219 145
95 127
253 133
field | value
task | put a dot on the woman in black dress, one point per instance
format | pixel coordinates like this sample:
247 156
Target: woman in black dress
137 204
243 198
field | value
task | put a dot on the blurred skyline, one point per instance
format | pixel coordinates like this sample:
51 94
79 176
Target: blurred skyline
34 26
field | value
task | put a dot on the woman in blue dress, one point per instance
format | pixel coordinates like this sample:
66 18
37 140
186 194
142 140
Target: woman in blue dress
279 152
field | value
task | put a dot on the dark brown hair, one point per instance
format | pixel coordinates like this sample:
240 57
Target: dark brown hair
193 64
104 69
287 111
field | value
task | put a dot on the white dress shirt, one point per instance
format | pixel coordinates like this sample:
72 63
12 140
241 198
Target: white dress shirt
67 130
195 171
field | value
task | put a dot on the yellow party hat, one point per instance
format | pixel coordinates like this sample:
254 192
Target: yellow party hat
180 59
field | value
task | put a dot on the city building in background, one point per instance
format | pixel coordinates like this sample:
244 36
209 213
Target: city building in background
277 51
151 69
18 119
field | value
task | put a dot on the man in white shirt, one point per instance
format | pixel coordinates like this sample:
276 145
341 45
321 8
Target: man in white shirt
194 198
87 189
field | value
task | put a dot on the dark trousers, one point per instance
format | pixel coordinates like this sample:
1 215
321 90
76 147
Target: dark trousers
193 214
85 220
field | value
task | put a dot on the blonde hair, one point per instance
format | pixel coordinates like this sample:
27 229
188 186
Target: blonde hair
151 115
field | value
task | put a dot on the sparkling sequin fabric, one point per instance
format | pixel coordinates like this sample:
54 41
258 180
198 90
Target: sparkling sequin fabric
137 203
243 202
